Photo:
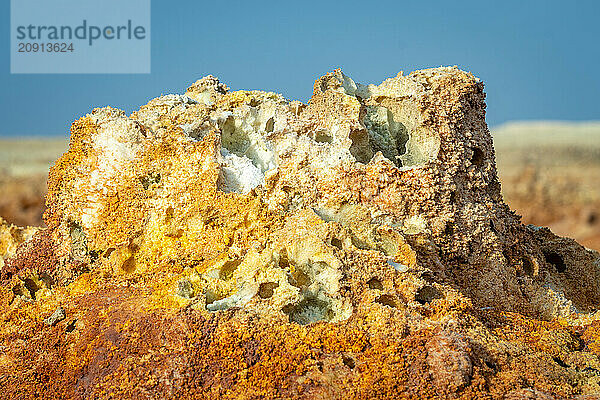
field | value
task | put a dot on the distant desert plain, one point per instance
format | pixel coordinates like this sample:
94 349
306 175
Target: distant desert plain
550 174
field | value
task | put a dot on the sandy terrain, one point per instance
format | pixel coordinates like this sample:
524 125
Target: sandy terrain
24 167
549 173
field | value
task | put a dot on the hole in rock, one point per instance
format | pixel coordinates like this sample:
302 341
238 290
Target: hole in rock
335 242
449 230
300 278
270 125
309 311
19 290
211 297
491 364
267 289
478 157
387 244
560 362
375 283
185 289
360 148
427 294
47 279
108 252
581 344
453 197
129 265
556 260
348 361
227 270
153 178
315 279
507 255
359 243
323 137
384 134
387 300
528 266
283 262
320 366
317 273
246 153
31 286
593 371
71 326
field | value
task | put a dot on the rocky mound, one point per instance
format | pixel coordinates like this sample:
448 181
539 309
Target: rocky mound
224 244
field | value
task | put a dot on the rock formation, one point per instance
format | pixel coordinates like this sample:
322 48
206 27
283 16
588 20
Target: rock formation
223 244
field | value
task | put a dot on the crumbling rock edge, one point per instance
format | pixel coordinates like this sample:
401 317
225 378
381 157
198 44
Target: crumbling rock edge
239 245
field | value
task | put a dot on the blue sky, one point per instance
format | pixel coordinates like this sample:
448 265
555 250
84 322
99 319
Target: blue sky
539 59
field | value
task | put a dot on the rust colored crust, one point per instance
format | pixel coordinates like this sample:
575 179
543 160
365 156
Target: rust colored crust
115 351
37 255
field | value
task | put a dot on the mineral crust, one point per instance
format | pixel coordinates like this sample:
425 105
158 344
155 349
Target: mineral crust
233 244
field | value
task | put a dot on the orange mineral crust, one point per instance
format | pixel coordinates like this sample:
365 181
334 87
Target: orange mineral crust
235 245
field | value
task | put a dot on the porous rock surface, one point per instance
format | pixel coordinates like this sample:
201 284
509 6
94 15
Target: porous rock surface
233 244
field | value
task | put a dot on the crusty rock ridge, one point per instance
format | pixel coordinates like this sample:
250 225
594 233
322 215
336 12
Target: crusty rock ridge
233 244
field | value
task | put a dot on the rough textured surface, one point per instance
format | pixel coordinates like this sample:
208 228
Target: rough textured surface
11 237
227 244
